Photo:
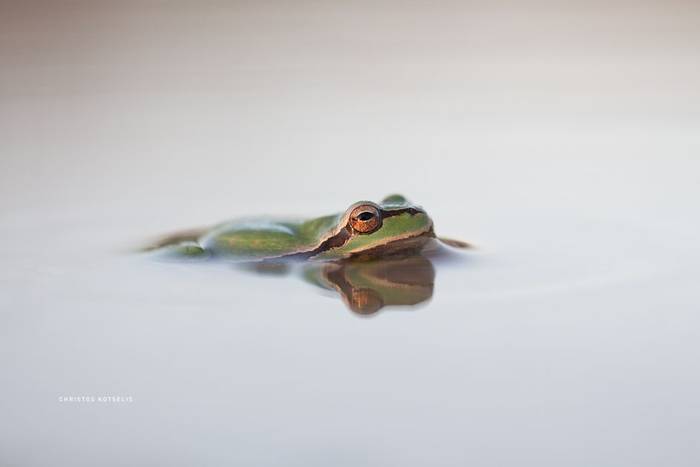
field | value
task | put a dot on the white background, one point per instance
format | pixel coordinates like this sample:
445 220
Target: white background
561 139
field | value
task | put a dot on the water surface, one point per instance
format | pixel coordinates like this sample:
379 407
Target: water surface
562 142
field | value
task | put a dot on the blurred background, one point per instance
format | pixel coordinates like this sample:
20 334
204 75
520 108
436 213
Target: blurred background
559 137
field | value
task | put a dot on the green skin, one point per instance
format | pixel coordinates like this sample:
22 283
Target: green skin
405 229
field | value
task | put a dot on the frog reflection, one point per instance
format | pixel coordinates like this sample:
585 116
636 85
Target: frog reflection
367 287
364 286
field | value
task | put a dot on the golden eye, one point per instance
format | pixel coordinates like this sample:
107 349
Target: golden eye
365 219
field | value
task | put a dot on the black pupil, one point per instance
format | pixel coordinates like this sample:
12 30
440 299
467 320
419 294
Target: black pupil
365 216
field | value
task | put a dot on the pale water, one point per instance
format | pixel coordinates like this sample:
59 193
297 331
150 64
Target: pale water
562 143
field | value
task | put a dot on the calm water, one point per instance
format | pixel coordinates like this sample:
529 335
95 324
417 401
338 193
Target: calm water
569 336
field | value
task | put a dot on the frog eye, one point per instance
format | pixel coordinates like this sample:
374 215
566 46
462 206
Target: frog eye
365 219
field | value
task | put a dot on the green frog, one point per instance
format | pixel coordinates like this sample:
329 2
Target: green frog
366 230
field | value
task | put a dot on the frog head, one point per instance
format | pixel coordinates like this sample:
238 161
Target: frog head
369 230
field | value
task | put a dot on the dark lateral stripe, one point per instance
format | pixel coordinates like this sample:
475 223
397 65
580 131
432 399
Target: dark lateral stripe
342 237
335 241
398 212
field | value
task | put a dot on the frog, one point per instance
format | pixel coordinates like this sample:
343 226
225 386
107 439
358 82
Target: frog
393 227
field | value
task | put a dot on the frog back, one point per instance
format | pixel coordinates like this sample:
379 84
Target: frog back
263 238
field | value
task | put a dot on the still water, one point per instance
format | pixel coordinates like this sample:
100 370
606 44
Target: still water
581 345
569 335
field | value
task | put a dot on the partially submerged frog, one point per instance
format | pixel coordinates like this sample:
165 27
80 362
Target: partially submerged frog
371 254
366 230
